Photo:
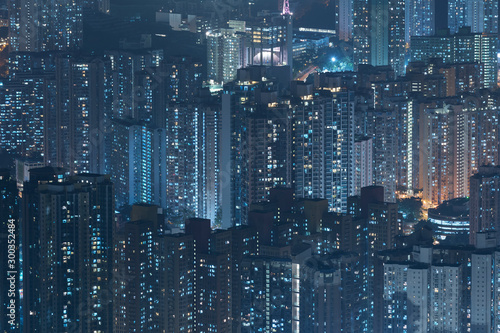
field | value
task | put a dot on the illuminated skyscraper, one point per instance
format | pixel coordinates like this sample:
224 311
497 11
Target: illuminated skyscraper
67 231
379 33
54 108
383 130
331 294
138 163
214 285
130 75
485 290
192 161
10 245
480 15
136 304
225 54
484 201
237 104
383 226
268 151
443 154
21 116
31 244
323 141
426 293
388 35
95 273
266 285
45 25
397 28
184 77
344 13
361 32
483 136
178 282
363 163
462 47
75 116
420 18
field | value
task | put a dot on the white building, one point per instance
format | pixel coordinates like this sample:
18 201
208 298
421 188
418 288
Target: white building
324 141
224 55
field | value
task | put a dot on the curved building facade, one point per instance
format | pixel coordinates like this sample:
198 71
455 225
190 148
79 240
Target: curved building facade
450 220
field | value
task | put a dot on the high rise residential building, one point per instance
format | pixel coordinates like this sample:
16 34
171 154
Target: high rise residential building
245 242
139 163
96 272
237 104
420 18
382 127
484 201
214 299
407 142
484 291
379 33
483 121
178 282
457 15
362 175
139 270
462 47
68 227
383 226
184 77
137 290
132 81
397 35
361 32
422 291
414 296
323 139
22 104
219 261
345 16
331 296
481 15
55 109
443 154
445 288
266 287
388 35
37 26
30 230
21 117
186 281
10 297
75 116
445 285
268 151
192 161
225 55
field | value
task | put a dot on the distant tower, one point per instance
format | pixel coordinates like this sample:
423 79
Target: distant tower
289 33
286 7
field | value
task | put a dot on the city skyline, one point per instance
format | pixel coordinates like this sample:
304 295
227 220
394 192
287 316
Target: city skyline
206 166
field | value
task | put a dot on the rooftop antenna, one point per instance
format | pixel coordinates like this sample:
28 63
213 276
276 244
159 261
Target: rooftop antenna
286 7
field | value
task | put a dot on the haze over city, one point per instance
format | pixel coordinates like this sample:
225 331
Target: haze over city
217 166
